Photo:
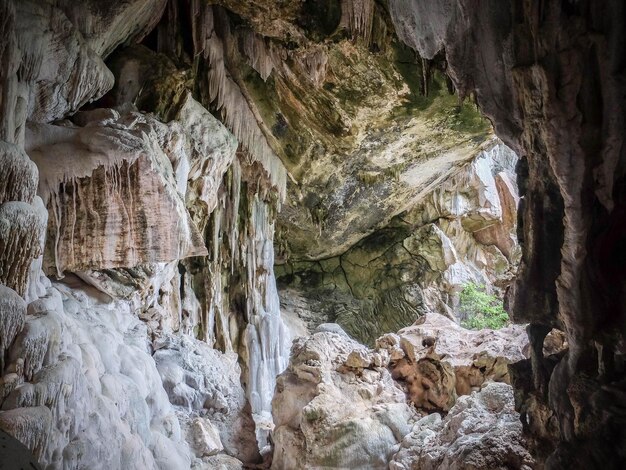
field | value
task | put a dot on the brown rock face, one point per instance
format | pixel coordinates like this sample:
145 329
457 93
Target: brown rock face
112 194
500 234
437 360
550 76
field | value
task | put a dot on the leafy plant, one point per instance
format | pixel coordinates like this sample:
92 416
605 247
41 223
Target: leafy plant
480 309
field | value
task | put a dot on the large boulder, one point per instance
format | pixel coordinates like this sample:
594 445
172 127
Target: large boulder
437 360
481 431
336 406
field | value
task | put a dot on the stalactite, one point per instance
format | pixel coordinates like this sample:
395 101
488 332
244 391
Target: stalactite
234 214
259 54
241 238
228 98
357 16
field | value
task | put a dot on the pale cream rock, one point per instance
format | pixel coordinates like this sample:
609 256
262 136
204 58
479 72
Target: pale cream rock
328 415
205 438
481 431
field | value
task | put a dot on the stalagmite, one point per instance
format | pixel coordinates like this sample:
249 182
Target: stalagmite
12 315
37 281
21 226
18 174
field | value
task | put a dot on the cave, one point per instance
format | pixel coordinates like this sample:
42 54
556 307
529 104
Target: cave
312 234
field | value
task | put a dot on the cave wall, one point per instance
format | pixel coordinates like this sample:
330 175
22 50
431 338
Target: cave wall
118 174
550 76
143 368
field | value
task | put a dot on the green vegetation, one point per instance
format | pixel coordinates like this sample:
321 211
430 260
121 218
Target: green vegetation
480 309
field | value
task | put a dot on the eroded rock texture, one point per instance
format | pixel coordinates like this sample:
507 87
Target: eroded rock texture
171 362
482 430
337 406
79 382
204 387
114 195
460 232
437 360
551 78
360 126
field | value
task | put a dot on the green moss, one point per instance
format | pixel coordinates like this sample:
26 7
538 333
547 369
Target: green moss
439 106
313 414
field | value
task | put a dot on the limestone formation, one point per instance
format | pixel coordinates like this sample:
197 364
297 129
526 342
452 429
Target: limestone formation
60 71
18 175
121 205
463 231
358 158
12 316
481 431
30 426
106 26
21 227
87 391
336 406
342 405
204 387
437 360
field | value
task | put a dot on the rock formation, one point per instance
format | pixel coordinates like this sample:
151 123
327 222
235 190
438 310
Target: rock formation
437 360
550 77
461 232
338 406
482 430
160 157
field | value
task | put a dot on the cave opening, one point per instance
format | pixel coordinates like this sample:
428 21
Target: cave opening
377 234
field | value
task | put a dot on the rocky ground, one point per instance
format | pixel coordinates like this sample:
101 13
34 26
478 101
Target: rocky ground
432 396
